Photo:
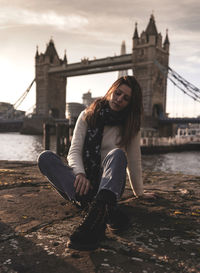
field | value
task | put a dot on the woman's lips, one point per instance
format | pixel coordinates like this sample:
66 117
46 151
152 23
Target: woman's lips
116 104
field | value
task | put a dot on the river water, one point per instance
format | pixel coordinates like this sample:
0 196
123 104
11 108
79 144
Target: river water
14 146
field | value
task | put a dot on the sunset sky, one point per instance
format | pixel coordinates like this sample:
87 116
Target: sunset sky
91 28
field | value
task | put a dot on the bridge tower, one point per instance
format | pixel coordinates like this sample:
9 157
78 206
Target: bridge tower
148 48
50 89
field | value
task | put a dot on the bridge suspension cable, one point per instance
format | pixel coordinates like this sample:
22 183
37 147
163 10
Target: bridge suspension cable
23 96
185 86
19 101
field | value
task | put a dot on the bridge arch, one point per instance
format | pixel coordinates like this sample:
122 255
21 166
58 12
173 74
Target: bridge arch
157 111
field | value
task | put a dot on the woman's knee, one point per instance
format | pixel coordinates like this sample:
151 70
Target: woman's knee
44 158
118 153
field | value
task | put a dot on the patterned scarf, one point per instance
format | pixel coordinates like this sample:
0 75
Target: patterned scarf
92 144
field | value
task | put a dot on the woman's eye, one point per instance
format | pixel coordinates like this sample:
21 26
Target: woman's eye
118 93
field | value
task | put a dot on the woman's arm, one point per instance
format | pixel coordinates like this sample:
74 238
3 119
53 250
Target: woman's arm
75 159
75 152
135 165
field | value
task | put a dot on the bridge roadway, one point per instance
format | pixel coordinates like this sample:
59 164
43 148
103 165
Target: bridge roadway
87 66
179 120
11 125
15 125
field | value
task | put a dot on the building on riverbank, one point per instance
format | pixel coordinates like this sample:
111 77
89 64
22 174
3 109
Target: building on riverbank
73 109
186 139
189 130
7 112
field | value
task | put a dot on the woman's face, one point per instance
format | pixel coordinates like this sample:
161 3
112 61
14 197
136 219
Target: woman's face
120 98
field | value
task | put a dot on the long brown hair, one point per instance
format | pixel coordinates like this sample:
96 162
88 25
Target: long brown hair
132 122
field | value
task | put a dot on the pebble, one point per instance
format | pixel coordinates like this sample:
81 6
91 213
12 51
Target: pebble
8 261
50 253
106 265
28 236
14 243
136 259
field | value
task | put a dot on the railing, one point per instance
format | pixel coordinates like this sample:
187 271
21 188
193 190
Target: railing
179 120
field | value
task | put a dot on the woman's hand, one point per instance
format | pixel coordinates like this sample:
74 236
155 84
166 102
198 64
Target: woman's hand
82 184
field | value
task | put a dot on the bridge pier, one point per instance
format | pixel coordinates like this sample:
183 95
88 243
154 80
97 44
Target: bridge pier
164 129
167 129
34 125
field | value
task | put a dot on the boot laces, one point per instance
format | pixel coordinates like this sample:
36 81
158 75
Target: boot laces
95 216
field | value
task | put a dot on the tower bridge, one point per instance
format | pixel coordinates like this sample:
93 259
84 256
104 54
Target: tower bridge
52 73
149 62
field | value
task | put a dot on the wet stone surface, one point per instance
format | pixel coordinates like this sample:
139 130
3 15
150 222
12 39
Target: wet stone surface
35 224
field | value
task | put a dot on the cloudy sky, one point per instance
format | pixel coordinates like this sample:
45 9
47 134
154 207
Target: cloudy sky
91 28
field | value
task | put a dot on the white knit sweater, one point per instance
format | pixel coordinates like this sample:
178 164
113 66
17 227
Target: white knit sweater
110 138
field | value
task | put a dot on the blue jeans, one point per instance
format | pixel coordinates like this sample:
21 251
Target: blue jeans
62 178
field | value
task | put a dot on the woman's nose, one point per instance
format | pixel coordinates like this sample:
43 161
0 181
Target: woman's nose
120 98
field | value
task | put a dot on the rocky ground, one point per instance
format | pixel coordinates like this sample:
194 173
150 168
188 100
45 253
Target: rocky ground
35 224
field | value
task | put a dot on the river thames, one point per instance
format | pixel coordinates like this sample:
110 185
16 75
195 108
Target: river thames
14 146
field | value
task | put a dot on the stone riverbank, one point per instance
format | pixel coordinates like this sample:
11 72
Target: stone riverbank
35 224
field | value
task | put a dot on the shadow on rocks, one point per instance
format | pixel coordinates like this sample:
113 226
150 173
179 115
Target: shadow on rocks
163 237
21 255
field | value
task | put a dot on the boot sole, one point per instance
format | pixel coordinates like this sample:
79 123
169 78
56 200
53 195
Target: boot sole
118 230
77 246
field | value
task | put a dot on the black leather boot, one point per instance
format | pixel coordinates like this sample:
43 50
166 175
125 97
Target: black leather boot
117 220
92 229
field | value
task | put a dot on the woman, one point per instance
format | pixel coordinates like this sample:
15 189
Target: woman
105 142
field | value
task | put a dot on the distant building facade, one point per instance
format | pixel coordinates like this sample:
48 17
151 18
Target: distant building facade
7 111
87 98
73 109
188 130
